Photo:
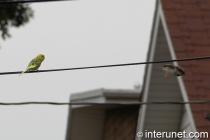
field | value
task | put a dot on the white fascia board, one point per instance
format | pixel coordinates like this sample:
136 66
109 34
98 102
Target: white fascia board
107 95
180 80
142 110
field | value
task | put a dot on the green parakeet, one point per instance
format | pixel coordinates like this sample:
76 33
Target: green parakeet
35 63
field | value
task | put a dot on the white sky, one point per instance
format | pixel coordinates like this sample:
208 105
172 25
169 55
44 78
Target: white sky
70 34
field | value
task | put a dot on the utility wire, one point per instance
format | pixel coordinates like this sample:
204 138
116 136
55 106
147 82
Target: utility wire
91 103
29 1
105 66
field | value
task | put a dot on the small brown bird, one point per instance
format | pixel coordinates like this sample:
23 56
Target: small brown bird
170 69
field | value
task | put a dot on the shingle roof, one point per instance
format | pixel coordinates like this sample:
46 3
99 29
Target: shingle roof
188 22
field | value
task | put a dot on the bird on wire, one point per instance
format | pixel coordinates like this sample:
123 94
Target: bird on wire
170 69
35 63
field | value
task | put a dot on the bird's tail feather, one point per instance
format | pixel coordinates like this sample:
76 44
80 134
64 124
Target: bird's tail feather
23 72
28 68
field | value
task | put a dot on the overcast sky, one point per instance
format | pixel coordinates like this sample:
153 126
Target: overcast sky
70 34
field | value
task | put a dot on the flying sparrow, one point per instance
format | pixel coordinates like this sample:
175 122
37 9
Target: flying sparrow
170 69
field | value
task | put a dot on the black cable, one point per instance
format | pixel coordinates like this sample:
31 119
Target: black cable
91 103
104 66
29 1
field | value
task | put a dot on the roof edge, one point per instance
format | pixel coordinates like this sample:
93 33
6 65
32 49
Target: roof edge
106 93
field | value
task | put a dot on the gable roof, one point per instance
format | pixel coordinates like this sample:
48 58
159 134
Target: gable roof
188 23
176 36
161 118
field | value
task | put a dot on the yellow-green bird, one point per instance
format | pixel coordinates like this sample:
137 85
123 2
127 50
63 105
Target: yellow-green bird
35 63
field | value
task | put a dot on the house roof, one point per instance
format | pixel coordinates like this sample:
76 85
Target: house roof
105 94
188 23
162 118
91 120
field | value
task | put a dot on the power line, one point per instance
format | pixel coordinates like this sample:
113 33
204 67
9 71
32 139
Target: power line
29 1
92 103
105 66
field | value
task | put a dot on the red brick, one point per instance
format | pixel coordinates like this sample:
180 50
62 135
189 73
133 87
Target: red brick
189 84
192 54
196 107
202 50
203 2
167 5
201 107
196 77
174 1
205 107
187 70
184 65
185 33
198 85
204 6
188 23
187 41
189 1
199 34
205 14
208 32
206 93
193 24
188 78
193 63
201 41
201 94
207 26
208 96
190 47
206 69
193 8
176 32
178 44
205 112
180 55
199 119
193 98
206 81
172 18
206 20
196 70
206 63
191 90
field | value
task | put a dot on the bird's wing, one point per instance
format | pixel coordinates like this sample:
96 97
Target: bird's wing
34 61
169 65
33 64
181 69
